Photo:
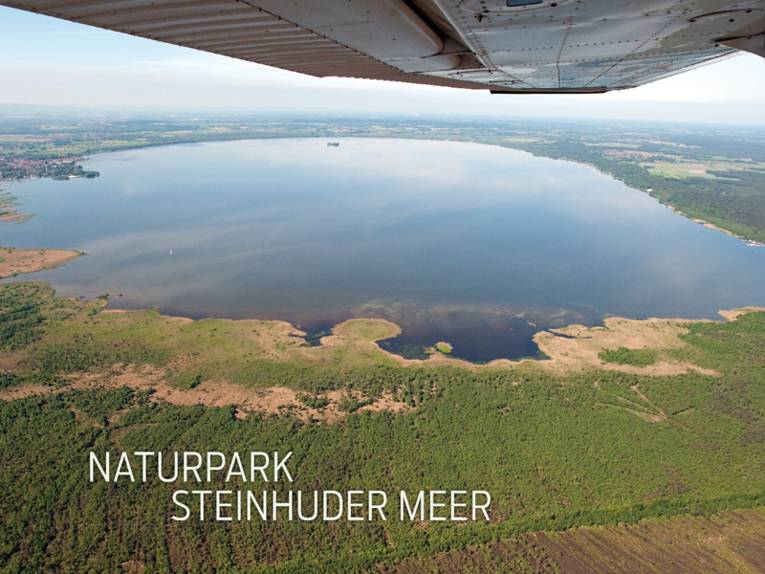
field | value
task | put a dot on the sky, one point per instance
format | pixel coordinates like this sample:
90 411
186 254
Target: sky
51 62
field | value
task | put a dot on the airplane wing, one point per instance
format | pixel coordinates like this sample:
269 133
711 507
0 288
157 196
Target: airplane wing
535 46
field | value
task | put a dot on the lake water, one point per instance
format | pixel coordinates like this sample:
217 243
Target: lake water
476 245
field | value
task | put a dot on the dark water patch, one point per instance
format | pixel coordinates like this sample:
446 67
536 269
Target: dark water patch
563 335
408 350
477 333
512 340
315 332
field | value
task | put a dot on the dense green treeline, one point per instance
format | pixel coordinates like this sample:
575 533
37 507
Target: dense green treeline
20 316
592 466
624 356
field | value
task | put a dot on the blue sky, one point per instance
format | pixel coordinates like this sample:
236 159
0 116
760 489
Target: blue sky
46 61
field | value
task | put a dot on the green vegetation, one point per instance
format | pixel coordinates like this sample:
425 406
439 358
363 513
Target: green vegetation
313 401
21 315
625 356
351 403
554 451
444 347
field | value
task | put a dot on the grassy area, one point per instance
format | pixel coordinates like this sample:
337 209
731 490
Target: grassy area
625 356
79 336
444 347
705 169
556 451
679 170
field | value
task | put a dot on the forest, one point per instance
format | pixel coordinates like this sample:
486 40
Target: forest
555 451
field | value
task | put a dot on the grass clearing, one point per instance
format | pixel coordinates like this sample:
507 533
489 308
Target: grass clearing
625 356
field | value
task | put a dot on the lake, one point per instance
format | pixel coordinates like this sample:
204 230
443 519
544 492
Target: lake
476 245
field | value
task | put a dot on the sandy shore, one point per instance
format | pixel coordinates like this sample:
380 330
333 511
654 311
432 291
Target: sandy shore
577 348
12 216
708 225
16 261
714 227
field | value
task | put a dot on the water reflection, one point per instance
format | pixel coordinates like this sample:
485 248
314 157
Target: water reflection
476 245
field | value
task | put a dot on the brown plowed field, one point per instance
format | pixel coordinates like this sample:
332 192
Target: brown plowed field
725 543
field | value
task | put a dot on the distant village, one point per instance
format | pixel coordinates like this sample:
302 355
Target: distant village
59 168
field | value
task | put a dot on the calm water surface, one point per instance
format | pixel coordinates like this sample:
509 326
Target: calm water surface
476 245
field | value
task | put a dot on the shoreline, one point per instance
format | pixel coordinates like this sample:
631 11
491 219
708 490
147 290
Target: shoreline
551 344
746 240
577 347
564 350
191 371
403 137
708 225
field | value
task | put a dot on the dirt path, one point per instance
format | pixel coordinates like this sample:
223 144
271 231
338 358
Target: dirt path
246 400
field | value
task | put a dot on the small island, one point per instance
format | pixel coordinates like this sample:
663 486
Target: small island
8 211
443 347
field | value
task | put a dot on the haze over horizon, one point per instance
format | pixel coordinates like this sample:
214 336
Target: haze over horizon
51 62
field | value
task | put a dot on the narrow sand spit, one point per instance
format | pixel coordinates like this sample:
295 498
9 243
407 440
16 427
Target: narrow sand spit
733 314
8 209
16 261
708 225
12 216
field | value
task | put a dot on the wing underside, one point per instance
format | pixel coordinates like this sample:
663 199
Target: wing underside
536 46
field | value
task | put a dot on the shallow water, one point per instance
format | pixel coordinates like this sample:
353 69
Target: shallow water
476 245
